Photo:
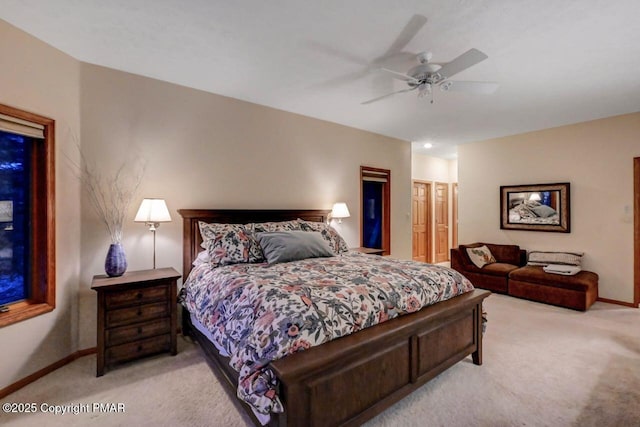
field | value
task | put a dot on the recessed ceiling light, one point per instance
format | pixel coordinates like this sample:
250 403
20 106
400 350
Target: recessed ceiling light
428 145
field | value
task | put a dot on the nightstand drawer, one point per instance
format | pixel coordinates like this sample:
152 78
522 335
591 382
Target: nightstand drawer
127 316
140 331
133 350
136 296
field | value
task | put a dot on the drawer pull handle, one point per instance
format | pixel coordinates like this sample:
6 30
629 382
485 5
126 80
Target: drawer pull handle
139 295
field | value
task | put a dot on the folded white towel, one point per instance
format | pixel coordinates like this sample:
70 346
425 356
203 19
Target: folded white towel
567 270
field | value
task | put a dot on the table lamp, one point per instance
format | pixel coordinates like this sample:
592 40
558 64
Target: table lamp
152 212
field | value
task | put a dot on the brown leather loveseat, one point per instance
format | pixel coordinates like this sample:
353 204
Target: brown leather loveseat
495 276
509 275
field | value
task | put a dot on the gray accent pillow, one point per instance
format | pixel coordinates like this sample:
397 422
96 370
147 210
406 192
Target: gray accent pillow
285 246
543 211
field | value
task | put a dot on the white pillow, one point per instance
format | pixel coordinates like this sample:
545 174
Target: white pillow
202 258
480 256
545 258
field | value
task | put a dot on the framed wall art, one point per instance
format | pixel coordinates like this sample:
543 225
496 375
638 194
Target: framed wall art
537 207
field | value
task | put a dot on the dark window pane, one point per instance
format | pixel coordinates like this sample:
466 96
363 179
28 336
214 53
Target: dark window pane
372 214
14 216
545 198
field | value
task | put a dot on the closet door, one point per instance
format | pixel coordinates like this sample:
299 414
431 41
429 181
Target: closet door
442 222
421 219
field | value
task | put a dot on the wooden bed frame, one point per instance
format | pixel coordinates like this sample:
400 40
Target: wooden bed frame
352 379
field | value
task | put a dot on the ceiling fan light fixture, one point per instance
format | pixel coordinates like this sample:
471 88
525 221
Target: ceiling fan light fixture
424 90
446 86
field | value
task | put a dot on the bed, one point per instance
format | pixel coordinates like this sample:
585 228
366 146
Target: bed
533 212
351 379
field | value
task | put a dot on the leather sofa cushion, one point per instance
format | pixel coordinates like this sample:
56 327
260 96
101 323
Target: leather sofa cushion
497 269
536 275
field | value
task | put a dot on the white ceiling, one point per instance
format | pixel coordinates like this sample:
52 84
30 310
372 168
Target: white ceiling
557 61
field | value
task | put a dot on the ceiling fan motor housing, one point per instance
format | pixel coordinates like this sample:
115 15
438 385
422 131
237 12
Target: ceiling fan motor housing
424 73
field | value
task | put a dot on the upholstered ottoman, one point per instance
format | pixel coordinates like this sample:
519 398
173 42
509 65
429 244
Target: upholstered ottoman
578 292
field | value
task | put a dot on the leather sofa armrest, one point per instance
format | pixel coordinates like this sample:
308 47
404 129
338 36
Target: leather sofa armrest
523 258
458 260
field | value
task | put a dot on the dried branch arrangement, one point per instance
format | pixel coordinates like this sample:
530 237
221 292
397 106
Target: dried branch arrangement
111 195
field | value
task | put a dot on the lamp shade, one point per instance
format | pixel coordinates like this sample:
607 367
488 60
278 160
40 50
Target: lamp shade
340 210
153 211
535 197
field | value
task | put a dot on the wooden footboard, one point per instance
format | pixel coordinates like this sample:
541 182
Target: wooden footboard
352 379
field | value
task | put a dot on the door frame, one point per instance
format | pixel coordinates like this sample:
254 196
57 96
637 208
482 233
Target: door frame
429 209
636 231
454 215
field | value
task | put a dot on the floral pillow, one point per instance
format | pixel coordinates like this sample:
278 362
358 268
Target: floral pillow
267 227
480 256
524 210
229 244
336 242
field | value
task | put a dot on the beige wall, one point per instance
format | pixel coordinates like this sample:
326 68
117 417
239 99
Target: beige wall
209 151
596 158
40 79
427 168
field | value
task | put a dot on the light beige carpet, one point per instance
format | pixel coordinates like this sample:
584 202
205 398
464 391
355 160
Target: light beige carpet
543 366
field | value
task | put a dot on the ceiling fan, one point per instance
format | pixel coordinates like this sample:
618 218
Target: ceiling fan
427 75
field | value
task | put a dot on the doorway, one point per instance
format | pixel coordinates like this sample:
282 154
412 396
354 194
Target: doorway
372 214
375 208
421 221
442 222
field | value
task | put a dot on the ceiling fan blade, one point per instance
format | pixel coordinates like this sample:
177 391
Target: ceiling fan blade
483 88
408 33
462 62
340 80
388 95
401 76
337 53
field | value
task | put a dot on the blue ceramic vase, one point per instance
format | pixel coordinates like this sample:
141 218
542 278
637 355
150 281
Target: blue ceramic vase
116 262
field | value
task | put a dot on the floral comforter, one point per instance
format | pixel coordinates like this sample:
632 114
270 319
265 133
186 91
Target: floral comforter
260 312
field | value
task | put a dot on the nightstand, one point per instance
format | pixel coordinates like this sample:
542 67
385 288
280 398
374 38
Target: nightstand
369 251
137 315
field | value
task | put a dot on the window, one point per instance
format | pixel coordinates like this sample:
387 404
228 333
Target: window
27 228
376 208
14 184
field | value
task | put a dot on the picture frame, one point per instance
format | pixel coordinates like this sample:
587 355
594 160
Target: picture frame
536 207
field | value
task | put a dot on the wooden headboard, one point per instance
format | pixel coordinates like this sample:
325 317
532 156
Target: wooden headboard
191 233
